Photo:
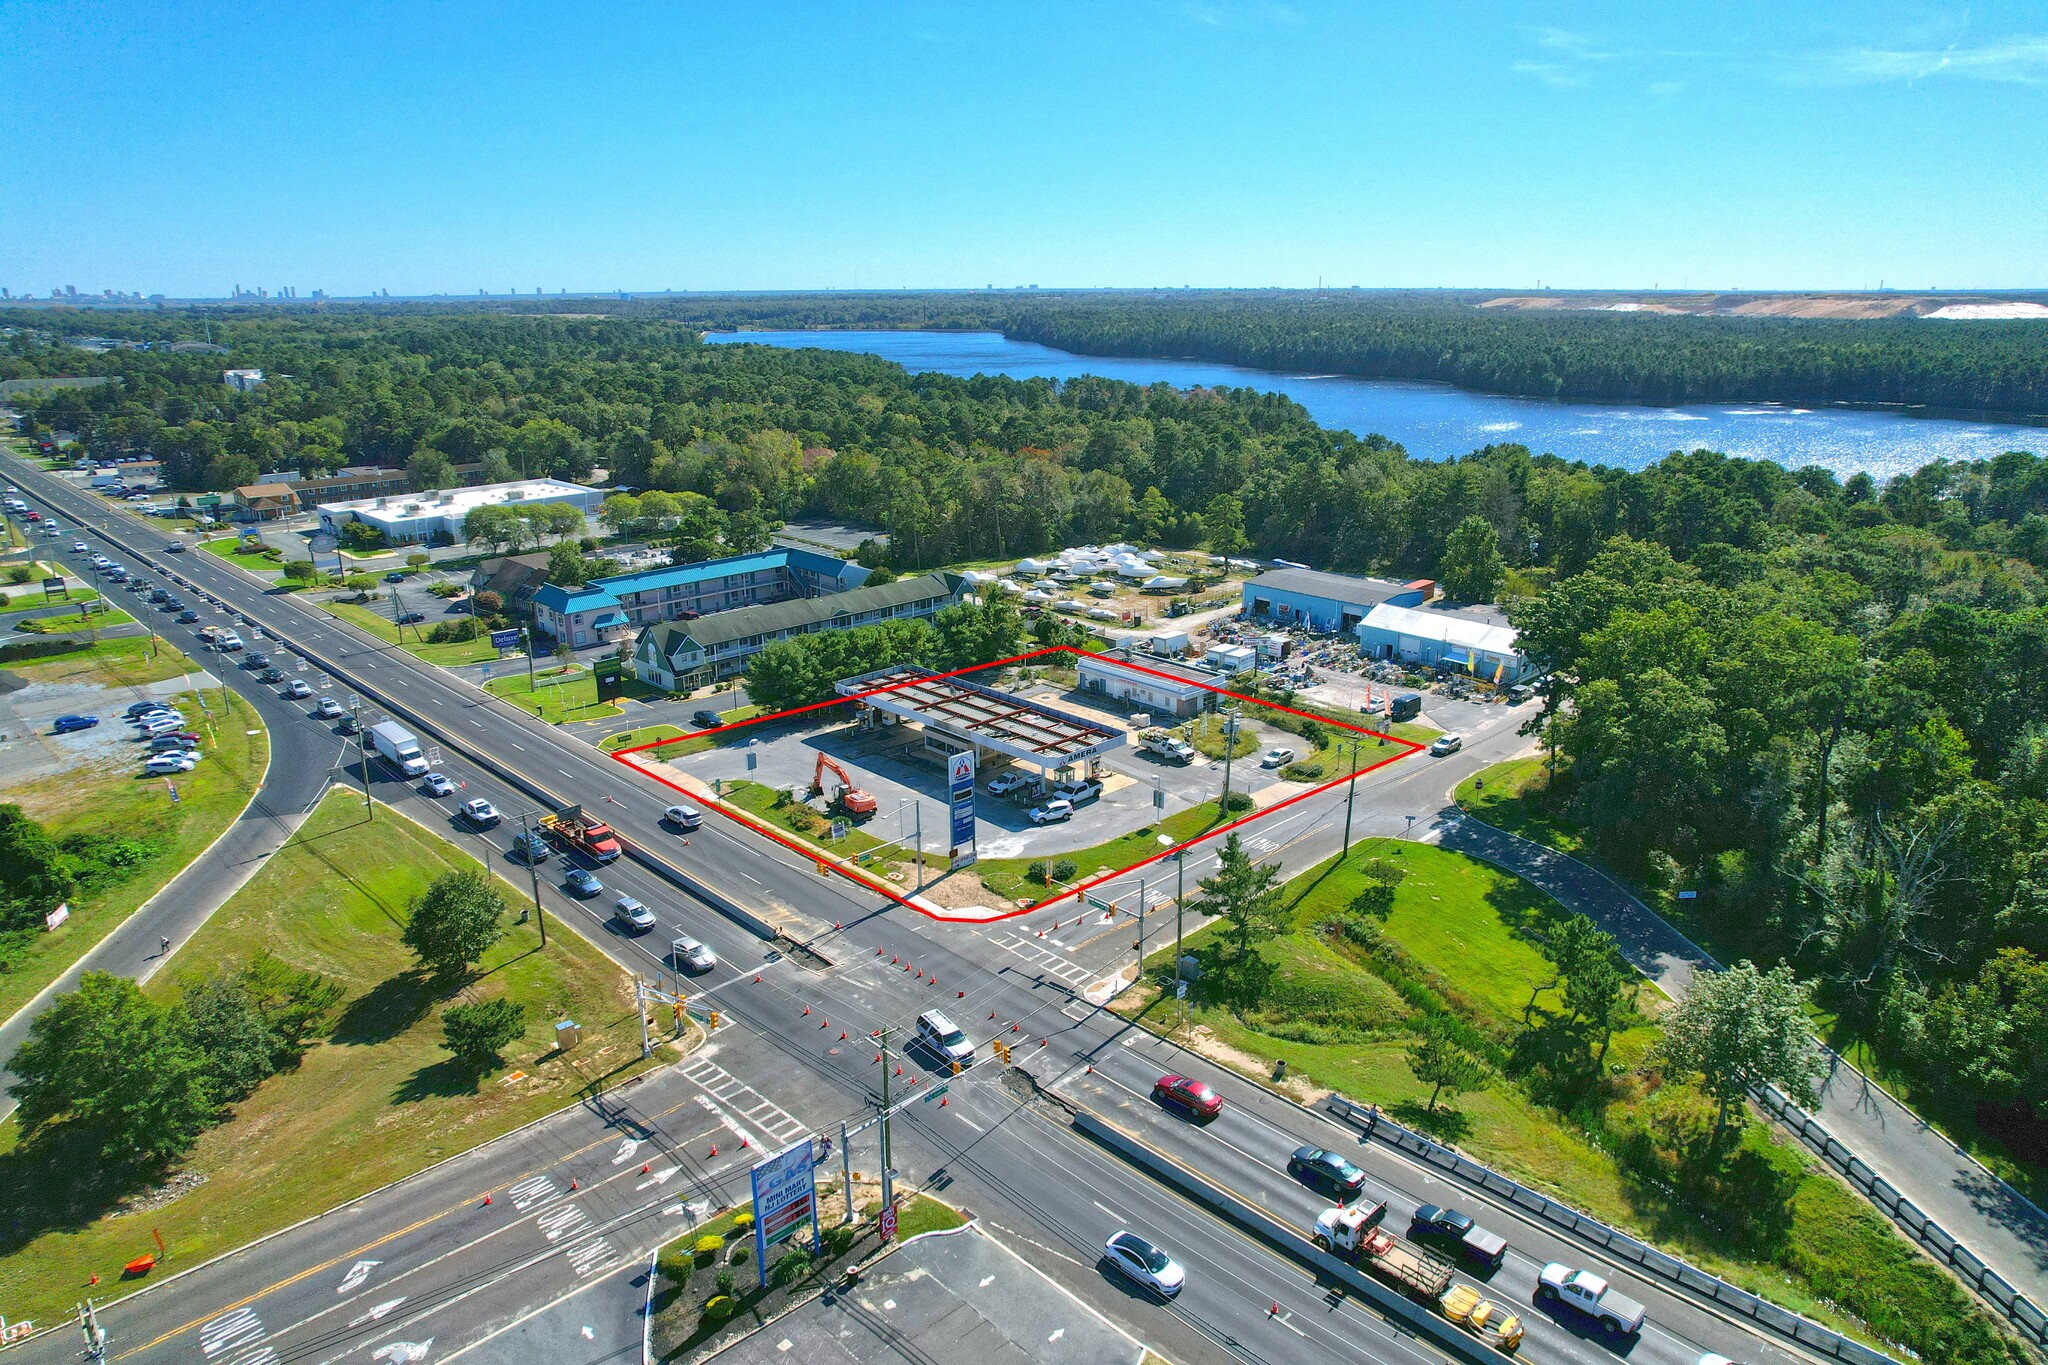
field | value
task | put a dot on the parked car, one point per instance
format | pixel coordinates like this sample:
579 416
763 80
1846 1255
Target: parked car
710 720
330 709
1452 1228
65 724
162 723
1138 1261
1052 812
683 817
582 882
1188 1095
142 708
1446 744
438 784
298 689
162 765
1002 784
632 916
175 743
1079 792
271 675
689 955
1277 757
411 618
481 813
394 577
1327 1171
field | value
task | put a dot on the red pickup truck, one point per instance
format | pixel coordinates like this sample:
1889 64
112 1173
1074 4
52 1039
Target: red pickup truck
592 838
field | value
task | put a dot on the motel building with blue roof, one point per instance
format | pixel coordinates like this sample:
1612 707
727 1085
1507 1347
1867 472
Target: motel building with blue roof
605 610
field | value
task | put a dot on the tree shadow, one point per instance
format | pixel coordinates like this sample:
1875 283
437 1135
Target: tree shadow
1442 1123
441 1080
57 1182
386 1010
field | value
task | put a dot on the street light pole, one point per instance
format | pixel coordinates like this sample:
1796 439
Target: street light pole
363 753
1141 933
1229 752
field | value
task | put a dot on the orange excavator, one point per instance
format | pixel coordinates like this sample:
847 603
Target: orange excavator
852 800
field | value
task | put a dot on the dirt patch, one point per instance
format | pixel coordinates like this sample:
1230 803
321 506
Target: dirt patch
177 1187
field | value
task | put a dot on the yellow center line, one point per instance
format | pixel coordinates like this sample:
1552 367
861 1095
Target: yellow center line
328 1264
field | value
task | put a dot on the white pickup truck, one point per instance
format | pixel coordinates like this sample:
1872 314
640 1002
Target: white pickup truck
1616 1312
1167 745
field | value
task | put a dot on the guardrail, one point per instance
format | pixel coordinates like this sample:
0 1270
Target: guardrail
1642 1256
1287 1240
2026 1317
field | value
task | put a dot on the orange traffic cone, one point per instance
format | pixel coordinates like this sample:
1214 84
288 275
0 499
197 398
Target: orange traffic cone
487 1200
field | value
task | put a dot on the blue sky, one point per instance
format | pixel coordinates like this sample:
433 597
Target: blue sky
421 147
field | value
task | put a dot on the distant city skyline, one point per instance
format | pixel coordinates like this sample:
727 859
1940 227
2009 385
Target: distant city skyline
185 150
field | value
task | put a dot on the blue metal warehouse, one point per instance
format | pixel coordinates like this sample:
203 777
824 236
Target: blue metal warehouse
1326 601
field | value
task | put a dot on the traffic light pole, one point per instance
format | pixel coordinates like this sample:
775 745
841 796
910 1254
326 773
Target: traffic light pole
1350 794
888 1176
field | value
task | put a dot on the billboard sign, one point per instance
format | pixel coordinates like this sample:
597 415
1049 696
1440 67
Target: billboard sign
610 676
785 1194
960 787
504 639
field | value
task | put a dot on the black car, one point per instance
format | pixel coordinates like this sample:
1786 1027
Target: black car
188 616
1324 1170
349 725
258 659
271 675
1452 1228
409 618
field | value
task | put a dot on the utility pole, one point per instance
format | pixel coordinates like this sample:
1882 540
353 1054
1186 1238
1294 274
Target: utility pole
846 1171
917 810
640 1008
888 1176
1141 933
1350 792
363 754
540 916
1229 751
526 635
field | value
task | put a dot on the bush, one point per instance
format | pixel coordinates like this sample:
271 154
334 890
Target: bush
446 590
360 582
1065 869
707 1246
448 632
839 1240
3 599
1236 802
725 1281
737 1256
743 1221
674 1267
720 1309
790 1267
20 573
806 821
1301 772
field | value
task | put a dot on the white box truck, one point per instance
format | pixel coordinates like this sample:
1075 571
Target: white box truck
398 747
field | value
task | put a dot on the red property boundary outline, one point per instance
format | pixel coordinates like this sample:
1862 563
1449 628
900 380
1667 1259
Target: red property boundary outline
859 878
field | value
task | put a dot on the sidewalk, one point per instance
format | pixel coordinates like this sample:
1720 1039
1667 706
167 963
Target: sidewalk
1994 1220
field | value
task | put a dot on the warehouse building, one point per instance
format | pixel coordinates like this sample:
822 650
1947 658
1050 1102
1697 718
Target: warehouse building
1147 682
1332 602
677 655
606 608
424 516
1472 639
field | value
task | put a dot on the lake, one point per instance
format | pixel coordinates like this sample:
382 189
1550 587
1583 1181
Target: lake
1438 421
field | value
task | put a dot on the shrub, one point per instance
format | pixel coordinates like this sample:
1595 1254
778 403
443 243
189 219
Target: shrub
707 1246
446 632
1301 772
743 1221
477 1033
445 590
3 599
674 1267
1065 869
360 582
790 1267
485 603
719 1309
20 573
416 561
839 1240
1237 801
737 1256
725 1281
806 821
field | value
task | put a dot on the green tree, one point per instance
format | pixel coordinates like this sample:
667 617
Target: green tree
1471 568
1442 1063
477 1033
456 921
566 565
1223 523
110 1062
34 879
427 469
300 571
1568 946
496 527
1245 895
620 514
226 1028
1742 1029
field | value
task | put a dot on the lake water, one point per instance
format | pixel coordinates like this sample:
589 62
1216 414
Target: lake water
1437 421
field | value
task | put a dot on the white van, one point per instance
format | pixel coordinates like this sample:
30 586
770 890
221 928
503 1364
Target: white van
944 1037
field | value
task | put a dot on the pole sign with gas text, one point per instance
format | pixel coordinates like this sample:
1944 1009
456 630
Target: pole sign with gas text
785 1194
960 787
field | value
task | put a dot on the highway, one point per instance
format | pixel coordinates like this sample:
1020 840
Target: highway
467 1272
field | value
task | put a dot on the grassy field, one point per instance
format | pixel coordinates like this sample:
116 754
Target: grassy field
684 747
377 1099
1007 877
224 548
560 702
448 655
1457 938
126 662
1210 735
108 799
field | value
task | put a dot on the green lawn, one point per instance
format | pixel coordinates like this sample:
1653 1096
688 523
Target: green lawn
25 596
224 548
116 799
1209 734
126 662
374 1101
1007 877
559 702
1508 796
446 655
684 747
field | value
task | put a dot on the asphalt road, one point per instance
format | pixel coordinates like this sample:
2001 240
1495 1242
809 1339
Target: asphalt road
481 1268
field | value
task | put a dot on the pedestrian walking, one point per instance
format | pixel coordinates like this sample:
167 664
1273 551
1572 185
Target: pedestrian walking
166 948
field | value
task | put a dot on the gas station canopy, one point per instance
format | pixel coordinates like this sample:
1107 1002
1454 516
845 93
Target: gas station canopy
982 717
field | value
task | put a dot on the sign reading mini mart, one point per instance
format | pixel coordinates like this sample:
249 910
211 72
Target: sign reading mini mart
960 787
785 1194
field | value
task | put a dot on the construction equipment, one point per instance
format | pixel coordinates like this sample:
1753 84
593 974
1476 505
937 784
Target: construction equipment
1483 1317
592 838
851 799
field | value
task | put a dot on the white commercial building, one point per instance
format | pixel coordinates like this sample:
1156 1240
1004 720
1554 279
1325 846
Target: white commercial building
242 380
1468 638
406 517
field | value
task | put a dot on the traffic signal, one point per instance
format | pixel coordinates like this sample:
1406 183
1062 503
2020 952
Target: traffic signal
956 1068
714 1021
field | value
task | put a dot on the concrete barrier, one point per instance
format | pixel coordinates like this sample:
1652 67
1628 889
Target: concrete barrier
1282 1236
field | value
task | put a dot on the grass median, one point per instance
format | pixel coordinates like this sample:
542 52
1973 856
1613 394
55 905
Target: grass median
376 1099
683 747
229 548
568 695
1012 879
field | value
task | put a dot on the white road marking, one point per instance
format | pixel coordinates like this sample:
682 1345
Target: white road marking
749 876
589 1256
720 1084
357 1273
1027 948
564 772
231 1332
536 1190
403 1352
658 1178
1110 1211
627 1146
378 1313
